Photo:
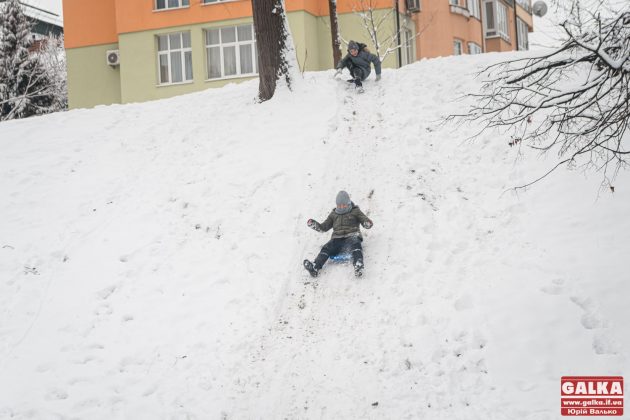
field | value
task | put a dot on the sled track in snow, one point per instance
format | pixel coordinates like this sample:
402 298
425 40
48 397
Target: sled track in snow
310 349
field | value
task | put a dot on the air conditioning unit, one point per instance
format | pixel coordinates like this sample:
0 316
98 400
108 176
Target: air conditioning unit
113 57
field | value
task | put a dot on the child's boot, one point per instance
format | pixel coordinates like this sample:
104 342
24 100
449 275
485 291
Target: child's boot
358 268
312 270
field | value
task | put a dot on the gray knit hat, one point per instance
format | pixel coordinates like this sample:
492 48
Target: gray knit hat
343 198
353 45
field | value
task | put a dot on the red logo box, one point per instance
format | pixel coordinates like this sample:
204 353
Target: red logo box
591 395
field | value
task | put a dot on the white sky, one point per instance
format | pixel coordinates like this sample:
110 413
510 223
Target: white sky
546 32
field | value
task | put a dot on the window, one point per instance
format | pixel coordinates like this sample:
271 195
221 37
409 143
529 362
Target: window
502 19
231 52
414 5
496 19
459 7
175 58
489 20
525 4
171 4
522 31
474 48
458 47
408 47
473 8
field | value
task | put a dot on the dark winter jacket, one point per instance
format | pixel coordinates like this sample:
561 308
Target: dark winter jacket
344 225
362 61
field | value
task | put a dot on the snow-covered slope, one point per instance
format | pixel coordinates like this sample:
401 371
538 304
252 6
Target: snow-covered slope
150 260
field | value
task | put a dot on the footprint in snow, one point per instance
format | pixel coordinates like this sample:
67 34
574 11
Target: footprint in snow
602 344
464 302
103 310
56 394
591 318
555 288
106 292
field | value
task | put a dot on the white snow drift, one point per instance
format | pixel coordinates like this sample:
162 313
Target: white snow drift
150 260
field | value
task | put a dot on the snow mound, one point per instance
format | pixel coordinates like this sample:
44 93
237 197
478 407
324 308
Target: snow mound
150 260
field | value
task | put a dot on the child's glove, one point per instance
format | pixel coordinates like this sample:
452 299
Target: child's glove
313 225
368 224
378 77
337 73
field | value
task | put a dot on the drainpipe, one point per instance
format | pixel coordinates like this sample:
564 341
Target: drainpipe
482 14
398 36
515 26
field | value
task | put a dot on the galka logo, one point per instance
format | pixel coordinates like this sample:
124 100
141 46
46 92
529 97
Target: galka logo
591 396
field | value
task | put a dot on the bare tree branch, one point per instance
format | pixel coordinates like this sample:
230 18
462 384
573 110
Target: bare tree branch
578 94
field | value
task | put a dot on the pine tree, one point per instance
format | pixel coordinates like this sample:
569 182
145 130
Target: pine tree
25 88
52 55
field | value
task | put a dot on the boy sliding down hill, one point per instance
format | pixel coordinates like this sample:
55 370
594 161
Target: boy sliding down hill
344 221
357 61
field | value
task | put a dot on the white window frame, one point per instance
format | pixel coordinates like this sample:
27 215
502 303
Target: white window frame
502 20
474 48
500 26
458 44
489 26
207 2
171 65
237 44
523 35
473 8
409 46
180 5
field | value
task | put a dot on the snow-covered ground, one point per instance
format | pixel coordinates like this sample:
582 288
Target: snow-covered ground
150 260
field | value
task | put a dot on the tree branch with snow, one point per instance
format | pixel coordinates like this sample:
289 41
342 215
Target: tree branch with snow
386 40
31 82
574 100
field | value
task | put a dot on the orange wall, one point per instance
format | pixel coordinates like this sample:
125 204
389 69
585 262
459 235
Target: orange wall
89 23
138 15
440 27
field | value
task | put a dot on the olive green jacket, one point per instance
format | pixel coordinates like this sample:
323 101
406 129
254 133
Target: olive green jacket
344 225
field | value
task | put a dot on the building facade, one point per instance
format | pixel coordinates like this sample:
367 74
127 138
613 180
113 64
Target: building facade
121 51
453 27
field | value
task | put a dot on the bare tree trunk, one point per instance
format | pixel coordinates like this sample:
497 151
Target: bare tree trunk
334 31
270 25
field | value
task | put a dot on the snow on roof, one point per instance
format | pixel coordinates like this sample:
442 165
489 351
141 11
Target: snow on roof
40 14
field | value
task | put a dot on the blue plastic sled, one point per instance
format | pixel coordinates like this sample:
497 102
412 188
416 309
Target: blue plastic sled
341 257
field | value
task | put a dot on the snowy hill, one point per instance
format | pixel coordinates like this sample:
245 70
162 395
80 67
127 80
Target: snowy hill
150 260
